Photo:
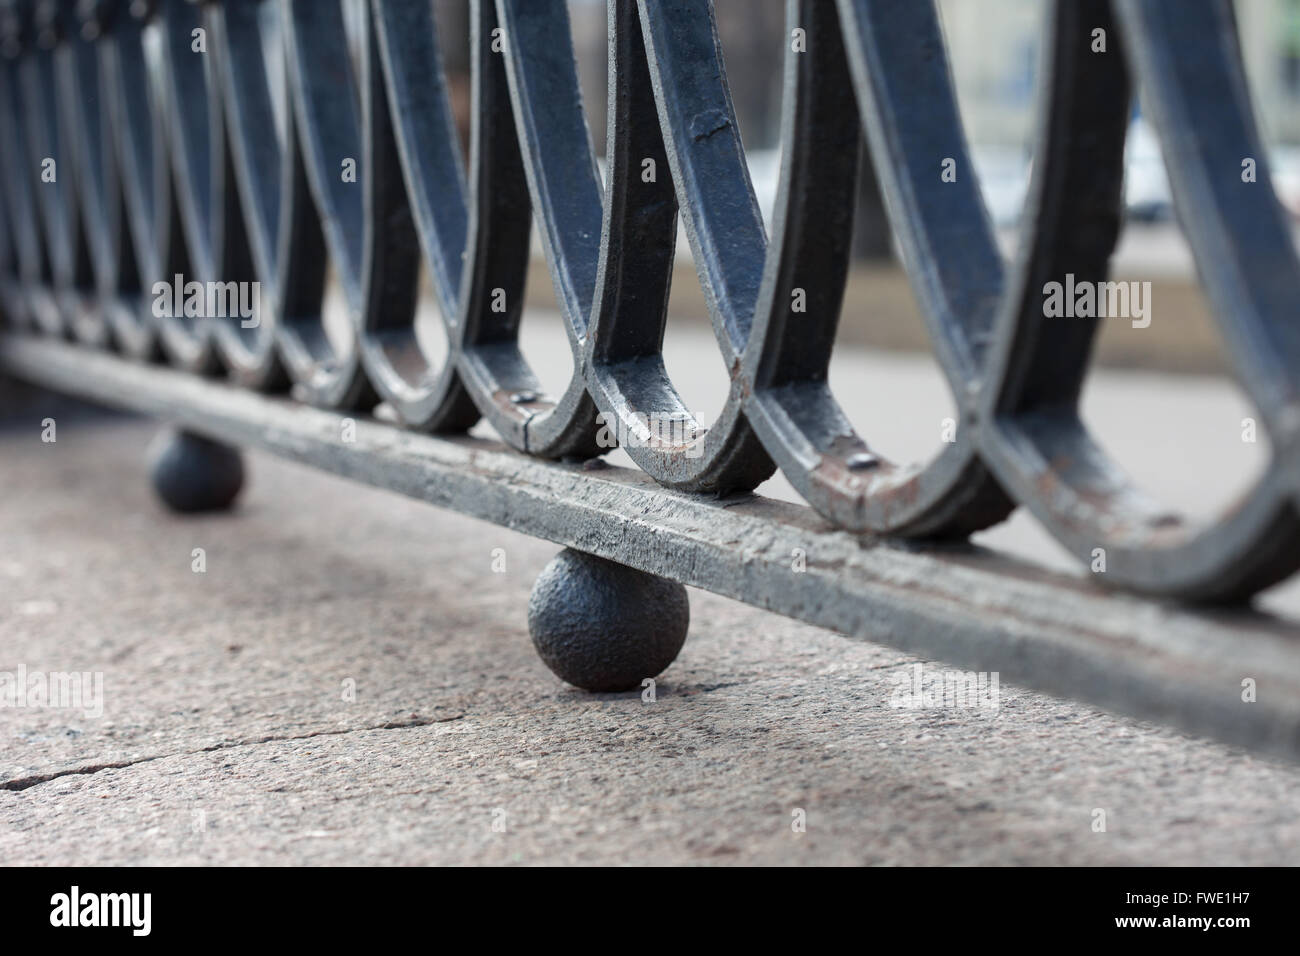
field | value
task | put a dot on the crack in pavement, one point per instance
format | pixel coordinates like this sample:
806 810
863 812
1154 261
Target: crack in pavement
26 783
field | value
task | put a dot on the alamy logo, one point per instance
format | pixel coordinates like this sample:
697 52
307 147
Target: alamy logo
918 689
57 690
208 300
133 910
675 429
1098 300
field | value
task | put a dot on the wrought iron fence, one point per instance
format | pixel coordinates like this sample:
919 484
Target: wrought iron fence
270 142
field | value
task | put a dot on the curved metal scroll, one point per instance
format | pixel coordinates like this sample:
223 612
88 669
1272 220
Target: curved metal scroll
232 163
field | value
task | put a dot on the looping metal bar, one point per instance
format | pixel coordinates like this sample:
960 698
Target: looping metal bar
282 142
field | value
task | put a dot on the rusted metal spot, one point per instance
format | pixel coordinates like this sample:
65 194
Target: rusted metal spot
703 125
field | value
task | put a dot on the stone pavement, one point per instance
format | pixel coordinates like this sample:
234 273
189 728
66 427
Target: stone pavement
349 682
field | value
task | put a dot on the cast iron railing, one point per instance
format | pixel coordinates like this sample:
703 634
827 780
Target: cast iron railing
177 154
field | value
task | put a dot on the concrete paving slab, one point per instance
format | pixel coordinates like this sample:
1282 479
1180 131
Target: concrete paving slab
348 681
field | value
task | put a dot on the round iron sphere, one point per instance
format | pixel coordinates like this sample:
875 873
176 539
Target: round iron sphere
603 626
193 474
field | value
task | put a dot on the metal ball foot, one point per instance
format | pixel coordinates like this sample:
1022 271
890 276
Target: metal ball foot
193 474
603 626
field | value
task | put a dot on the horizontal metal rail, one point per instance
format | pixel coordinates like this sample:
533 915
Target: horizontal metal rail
960 604
275 144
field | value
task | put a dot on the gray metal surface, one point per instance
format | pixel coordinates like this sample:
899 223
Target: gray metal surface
959 604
